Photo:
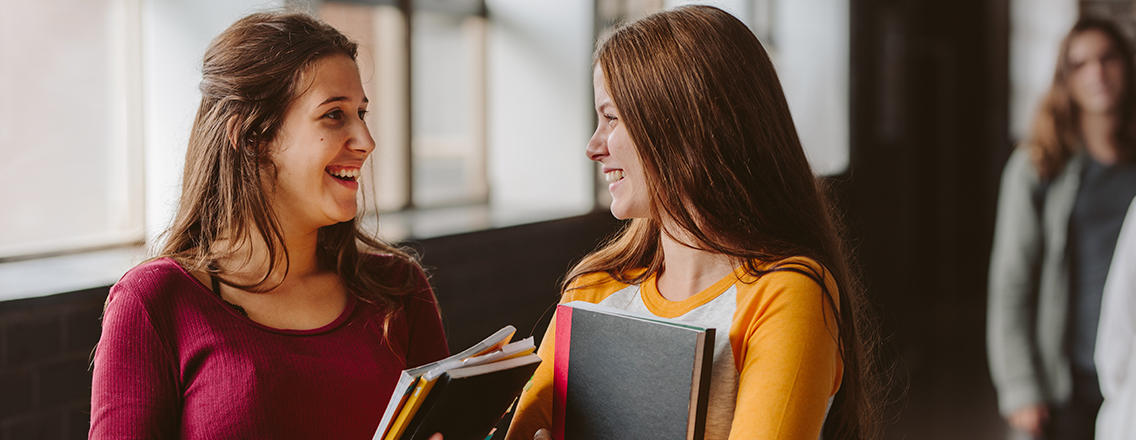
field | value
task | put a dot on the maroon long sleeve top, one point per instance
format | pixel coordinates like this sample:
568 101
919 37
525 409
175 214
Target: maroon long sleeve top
175 361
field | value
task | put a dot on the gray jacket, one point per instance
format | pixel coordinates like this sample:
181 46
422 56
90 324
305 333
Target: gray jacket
1028 291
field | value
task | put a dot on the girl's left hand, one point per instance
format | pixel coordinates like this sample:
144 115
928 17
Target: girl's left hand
436 436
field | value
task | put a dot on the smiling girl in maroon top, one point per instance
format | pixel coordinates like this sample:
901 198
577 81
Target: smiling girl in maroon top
269 313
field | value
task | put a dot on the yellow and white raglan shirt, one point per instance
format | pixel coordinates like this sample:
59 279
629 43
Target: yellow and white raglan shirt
773 377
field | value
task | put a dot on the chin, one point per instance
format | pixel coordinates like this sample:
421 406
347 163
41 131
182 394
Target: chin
617 211
1100 105
343 217
624 213
346 217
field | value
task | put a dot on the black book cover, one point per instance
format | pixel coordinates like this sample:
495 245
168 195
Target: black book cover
630 378
467 407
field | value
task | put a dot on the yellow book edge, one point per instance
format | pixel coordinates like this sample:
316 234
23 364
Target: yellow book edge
410 408
398 409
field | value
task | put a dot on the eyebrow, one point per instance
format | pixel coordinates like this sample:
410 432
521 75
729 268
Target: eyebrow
341 98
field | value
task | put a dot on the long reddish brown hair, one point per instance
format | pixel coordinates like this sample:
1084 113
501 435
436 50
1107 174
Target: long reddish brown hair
251 73
1056 132
704 107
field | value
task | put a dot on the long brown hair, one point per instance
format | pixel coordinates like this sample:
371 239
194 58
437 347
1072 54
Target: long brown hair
1056 132
251 73
702 104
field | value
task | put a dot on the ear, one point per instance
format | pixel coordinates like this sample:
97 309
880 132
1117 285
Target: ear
233 133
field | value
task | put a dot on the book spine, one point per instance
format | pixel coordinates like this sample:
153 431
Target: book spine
560 369
402 391
707 352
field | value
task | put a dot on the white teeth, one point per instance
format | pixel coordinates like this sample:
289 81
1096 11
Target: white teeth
614 176
346 173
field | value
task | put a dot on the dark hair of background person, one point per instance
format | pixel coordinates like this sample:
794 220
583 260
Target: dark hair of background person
711 126
251 73
1056 133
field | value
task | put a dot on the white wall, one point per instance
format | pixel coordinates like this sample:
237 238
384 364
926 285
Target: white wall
540 104
1036 29
174 37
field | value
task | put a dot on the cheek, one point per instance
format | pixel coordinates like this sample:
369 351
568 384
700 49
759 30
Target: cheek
1117 74
621 147
1078 80
1078 87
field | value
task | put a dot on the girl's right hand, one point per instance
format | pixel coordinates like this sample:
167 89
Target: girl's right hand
542 434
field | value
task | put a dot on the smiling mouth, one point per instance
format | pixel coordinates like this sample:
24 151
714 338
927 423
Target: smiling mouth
614 175
344 174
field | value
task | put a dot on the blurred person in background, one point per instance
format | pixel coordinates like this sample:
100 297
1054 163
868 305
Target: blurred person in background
1063 197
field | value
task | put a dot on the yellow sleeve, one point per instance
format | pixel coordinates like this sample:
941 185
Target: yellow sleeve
534 409
784 342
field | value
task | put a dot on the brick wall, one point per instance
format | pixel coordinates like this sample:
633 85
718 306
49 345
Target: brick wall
45 349
483 280
507 276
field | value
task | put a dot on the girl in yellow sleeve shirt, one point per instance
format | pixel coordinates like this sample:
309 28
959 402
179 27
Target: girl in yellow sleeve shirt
729 230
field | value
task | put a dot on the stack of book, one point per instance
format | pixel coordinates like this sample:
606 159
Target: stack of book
462 396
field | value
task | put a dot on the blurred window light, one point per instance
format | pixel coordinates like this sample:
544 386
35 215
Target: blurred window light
808 41
70 137
426 79
448 95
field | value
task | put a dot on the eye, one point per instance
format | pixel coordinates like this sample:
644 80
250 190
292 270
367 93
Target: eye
363 113
336 114
610 118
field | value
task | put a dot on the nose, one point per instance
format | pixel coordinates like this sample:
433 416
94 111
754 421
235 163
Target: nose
597 148
361 139
1095 70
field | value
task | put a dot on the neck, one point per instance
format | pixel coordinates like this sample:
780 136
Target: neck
251 261
687 271
1098 130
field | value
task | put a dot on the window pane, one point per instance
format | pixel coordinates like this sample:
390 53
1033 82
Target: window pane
448 135
381 34
68 178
